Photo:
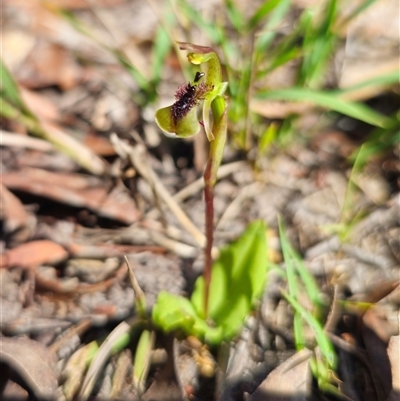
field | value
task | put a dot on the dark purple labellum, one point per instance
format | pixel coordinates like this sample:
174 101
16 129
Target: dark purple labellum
187 97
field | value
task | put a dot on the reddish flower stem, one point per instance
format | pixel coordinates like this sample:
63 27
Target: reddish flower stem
209 217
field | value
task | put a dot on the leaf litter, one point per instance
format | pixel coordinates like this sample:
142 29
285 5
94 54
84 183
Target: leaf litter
64 285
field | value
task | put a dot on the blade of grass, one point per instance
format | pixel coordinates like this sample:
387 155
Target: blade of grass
142 359
197 19
311 286
298 331
62 141
330 100
362 7
143 81
269 29
213 30
161 48
348 212
388 79
380 141
323 341
117 340
9 90
318 45
235 16
266 8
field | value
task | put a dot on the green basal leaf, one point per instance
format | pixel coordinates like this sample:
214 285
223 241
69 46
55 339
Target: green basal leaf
184 128
173 312
237 281
238 278
142 359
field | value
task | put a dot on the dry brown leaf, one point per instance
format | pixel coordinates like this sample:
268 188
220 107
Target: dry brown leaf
104 251
12 211
76 190
49 64
99 145
40 105
291 381
49 178
276 109
16 45
34 363
33 254
83 4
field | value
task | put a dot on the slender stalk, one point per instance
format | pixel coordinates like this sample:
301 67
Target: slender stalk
209 217
180 119
218 108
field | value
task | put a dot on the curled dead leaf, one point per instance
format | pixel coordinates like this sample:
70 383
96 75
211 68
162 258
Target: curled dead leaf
34 364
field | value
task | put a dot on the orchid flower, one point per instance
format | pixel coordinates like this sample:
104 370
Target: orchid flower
181 120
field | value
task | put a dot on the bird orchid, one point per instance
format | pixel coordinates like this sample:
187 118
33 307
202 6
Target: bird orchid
207 89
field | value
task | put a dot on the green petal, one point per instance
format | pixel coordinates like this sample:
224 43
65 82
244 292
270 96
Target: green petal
185 128
206 117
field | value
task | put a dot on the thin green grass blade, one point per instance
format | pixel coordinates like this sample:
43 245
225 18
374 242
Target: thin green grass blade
311 286
318 44
380 141
9 91
161 48
266 8
197 19
362 7
348 212
388 79
142 359
279 57
213 30
298 331
235 16
331 101
265 39
141 80
267 138
238 112
325 345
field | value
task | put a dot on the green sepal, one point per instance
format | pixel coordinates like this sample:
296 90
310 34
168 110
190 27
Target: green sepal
184 128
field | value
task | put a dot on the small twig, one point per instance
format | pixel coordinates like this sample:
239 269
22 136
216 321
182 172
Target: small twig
198 185
140 298
76 330
23 141
182 250
105 350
